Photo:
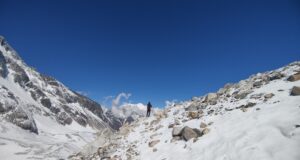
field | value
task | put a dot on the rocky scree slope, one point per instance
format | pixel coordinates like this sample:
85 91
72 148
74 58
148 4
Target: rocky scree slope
256 118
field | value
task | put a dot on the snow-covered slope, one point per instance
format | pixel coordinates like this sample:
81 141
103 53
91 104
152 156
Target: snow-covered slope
257 118
40 117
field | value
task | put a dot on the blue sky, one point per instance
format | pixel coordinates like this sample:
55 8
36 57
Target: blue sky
155 50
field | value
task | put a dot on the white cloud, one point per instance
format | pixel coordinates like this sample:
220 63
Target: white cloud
116 101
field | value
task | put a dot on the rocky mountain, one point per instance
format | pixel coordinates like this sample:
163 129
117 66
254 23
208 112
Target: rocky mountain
256 118
42 108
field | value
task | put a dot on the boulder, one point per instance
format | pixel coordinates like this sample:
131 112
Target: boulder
269 95
192 108
193 115
211 98
177 131
256 96
205 131
203 125
46 102
295 91
294 77
176 138
171 125
241 95
64 118
257 84
20 118
275 75
189 133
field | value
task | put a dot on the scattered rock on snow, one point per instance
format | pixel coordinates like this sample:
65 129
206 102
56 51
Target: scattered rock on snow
211 98
257 84
268 96
153 143
295 91
177 131
205 131
176 138
189 133
294 77
193 115
203 125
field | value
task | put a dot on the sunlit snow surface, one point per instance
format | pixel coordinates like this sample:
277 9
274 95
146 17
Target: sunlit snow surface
267 133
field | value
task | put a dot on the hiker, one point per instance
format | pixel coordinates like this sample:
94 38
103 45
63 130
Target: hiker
149 106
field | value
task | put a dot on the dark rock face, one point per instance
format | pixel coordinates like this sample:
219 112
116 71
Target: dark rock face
50 80
115 122
64 118
129 120
3 67
2 109
46 102
20 118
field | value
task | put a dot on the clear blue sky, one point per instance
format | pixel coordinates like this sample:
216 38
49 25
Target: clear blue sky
156 50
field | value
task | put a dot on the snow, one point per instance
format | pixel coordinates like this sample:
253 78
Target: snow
267 134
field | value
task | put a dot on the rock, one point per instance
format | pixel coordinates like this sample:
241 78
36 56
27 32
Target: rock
211 98
257 84
205 131
275 75
177 122
203 125
192 108
176 138
64 119
256 96
154 122
257 109
210 112
199 132
210 123
153 143
244 109
155 150
250 104
193 115
46 102
158 127
171 125
189 133
177 131
295 91
241 95
20 118
294 77
269 96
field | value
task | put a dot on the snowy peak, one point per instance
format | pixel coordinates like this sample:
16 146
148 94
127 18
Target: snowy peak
33 101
